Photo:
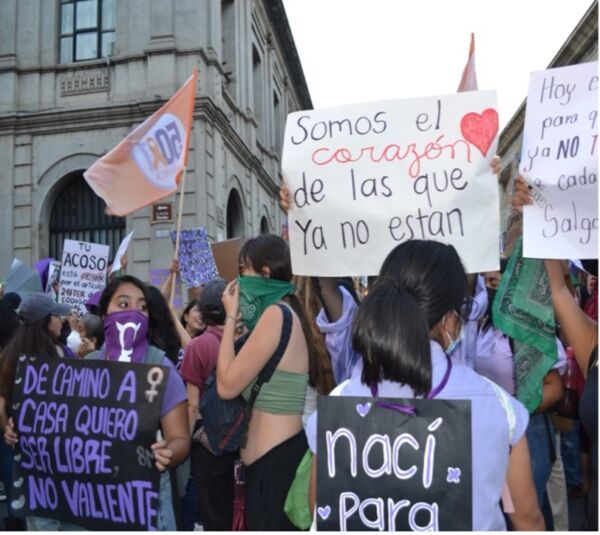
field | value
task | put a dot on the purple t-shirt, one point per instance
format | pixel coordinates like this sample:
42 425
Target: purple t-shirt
201 357
338 338
175 391
497 419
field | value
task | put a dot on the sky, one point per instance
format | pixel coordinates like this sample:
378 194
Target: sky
364 50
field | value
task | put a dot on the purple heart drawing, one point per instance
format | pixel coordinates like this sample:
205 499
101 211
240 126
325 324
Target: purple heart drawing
324 512
363 408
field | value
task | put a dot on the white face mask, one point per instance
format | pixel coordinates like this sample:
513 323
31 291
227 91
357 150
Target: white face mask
453 344
73 341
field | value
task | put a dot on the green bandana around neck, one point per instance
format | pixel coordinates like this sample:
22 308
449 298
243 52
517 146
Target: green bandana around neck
257 294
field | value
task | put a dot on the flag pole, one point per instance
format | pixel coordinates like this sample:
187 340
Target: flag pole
179 215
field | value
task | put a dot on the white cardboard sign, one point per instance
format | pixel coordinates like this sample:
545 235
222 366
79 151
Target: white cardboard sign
559 159
367 177
116 265
83 272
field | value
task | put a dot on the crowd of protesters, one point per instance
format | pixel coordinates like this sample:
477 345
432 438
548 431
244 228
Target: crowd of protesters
425 328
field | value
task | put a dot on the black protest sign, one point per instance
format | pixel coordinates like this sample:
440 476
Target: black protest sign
85 430
378 469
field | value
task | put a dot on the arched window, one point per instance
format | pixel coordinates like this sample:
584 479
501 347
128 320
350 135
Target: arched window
78 214
235 216
264 226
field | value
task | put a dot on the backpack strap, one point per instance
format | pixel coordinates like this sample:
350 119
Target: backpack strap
154 356
266 373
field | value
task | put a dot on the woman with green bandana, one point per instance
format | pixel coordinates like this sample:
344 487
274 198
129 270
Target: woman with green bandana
276 442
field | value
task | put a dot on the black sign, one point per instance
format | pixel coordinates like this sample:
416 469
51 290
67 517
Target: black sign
85 429
378 469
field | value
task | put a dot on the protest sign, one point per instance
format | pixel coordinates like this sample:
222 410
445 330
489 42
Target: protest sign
559 159
85 431
227 254
367 177
83 272
384 470
116 265
52 285
196 261
158 278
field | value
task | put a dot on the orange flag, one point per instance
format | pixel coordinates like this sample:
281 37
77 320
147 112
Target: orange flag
468 82
147 164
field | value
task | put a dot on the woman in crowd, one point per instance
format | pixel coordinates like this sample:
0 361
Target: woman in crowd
213 474
275 441
9 323
37 335
192 321
125 301
162 327
581 333
403 331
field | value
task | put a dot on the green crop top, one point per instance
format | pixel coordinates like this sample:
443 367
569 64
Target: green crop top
285 393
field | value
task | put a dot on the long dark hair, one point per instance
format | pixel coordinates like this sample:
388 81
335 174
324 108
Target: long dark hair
321 373
183 318
161 328
272 251
420 281
114 285
9 322
32 339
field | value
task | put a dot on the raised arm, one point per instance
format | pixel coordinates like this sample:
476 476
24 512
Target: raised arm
235 373
168 284
579 330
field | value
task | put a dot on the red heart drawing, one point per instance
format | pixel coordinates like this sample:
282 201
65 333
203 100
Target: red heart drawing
480 130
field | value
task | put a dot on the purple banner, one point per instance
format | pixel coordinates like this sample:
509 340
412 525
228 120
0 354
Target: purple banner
196 260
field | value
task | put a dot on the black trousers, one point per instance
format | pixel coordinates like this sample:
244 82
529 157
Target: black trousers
214 481
268 481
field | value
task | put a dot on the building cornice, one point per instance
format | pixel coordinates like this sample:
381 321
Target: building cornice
208 56
127 115
282 28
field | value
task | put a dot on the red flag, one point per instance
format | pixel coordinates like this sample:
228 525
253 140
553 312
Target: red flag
468 82
147 164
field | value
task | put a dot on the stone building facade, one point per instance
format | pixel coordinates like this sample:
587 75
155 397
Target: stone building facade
580 47
76 76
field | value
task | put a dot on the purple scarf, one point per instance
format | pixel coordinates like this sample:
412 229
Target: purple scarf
125 335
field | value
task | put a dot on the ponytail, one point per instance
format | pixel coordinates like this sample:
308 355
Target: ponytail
391 332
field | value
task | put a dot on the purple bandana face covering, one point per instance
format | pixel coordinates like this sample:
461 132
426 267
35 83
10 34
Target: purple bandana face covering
125 334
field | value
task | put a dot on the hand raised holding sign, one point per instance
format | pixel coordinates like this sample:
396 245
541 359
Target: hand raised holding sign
522 195
162 455
284 198
10 437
